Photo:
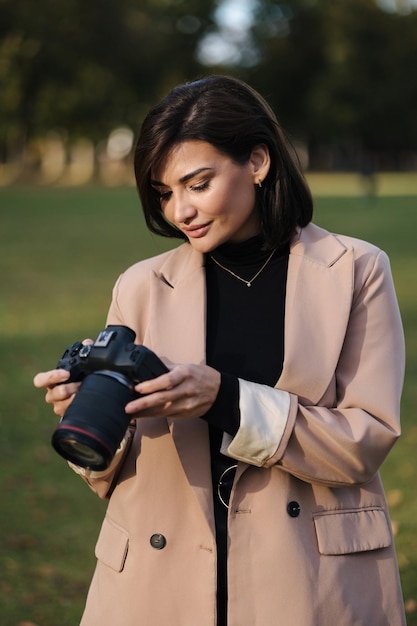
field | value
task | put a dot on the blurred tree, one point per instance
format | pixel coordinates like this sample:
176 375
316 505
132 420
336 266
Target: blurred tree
290 38
364 95
88 66
339 73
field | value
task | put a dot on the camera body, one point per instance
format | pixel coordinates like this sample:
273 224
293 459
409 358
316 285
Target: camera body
95 422
114 350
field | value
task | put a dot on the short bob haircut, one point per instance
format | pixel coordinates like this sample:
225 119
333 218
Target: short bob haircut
231 116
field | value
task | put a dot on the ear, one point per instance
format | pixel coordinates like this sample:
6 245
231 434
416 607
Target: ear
260 162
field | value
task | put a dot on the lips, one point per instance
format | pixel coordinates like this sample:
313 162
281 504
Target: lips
199 230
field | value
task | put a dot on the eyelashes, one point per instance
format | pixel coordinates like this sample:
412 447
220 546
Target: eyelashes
201 187
164 196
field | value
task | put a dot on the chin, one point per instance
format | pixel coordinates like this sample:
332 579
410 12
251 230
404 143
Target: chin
205 244
203 247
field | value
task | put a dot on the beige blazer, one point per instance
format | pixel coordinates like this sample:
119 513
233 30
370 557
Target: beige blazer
310 540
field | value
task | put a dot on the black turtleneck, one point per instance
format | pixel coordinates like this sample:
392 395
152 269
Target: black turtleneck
245 339
245 325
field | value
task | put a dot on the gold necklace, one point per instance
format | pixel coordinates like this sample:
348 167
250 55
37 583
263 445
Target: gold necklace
248 283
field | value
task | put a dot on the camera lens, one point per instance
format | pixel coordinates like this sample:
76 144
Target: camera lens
95 422
82 453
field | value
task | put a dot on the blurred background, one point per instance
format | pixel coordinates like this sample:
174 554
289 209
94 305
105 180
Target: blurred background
76 79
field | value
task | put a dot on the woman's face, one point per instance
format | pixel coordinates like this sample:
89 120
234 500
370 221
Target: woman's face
208 196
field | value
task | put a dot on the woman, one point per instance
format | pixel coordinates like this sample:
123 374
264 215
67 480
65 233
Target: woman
246 491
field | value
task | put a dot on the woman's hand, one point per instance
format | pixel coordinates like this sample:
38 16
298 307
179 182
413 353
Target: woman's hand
185 391
59 394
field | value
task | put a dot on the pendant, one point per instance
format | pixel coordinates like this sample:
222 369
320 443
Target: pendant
248 284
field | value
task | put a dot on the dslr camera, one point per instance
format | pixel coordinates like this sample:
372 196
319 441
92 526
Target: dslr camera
95 422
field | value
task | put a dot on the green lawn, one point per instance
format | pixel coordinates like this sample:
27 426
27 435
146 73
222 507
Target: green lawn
61 251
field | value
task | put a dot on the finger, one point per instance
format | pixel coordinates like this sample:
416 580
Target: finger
165 381
59 408
43 380
152 404
61 393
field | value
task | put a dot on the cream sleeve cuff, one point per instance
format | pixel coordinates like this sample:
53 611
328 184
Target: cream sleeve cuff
264 415
86 473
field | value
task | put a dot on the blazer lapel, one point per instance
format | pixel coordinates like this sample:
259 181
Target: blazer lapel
318 301
177 331
177 307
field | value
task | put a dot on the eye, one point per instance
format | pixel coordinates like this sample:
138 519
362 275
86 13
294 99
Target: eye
164 196
200 186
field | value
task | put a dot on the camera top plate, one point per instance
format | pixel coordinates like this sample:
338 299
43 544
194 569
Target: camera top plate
104 338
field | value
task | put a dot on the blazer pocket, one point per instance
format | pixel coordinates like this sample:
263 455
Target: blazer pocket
350 531
112 545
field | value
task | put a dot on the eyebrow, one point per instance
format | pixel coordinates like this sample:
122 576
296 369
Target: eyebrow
183 179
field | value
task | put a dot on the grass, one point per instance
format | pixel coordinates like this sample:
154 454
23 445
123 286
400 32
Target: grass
61 251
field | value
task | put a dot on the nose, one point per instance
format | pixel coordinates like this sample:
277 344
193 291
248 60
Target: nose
183 209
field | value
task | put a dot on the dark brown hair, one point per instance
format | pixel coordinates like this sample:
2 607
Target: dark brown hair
234 118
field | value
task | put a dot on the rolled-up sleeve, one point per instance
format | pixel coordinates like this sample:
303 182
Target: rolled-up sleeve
264 419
